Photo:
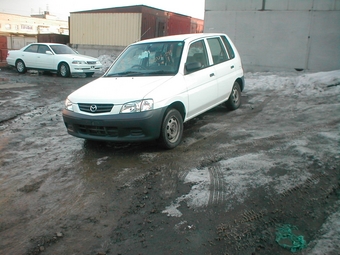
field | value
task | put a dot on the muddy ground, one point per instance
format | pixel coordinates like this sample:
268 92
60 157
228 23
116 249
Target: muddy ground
235 181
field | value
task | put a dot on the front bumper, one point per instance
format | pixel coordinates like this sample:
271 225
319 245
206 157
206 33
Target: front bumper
129 127
86 68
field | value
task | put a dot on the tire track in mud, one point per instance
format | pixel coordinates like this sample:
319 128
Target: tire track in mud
275 144
305 204
217 186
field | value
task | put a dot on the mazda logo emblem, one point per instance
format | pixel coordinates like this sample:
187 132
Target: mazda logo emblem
93 108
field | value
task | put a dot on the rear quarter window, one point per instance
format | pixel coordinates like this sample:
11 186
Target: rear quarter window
32 48
230 50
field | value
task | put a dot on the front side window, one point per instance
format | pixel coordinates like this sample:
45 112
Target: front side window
62 49
147 59
197 57
218 51
42 49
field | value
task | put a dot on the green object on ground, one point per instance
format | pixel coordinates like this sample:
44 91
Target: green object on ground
288 240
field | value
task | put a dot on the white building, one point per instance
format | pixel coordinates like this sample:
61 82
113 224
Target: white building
21 30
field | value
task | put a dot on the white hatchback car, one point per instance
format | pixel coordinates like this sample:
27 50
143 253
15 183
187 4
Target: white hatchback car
156 85
52 57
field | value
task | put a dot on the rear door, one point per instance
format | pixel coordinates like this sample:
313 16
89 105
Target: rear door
224 66
200 81
29 56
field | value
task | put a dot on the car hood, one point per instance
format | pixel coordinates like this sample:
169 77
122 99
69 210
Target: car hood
117 90
79 57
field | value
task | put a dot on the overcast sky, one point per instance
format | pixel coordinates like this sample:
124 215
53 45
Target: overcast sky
62 8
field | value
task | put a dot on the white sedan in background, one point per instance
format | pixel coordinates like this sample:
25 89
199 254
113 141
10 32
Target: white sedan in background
53 57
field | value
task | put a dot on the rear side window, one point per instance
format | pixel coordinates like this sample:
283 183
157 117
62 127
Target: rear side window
228 47
32 48
218 51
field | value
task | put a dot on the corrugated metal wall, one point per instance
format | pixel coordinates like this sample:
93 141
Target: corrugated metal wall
179 24
53 38
148 26
103 31
115 29
3 48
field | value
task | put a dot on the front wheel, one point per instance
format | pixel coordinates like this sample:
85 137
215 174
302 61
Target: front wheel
172 129
64 70
234 100
20 66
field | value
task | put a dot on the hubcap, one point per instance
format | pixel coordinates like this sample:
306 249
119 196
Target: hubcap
172 129
63 70
235 96
20 66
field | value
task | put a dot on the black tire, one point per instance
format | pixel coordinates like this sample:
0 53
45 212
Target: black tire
234 100
89 74
20 66
64 70
172 129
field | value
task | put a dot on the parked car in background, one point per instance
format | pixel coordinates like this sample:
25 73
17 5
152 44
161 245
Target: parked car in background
54 57
156 85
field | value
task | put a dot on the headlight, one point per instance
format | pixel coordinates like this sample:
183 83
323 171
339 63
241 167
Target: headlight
78 62
137 106
68 105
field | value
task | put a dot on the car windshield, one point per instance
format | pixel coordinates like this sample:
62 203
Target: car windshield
62 49
146 59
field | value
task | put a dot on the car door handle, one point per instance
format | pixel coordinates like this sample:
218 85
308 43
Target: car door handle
212 74
232 67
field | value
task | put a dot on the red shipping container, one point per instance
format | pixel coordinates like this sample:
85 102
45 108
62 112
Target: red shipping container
3 48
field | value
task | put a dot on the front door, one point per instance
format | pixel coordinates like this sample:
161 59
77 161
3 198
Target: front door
45 60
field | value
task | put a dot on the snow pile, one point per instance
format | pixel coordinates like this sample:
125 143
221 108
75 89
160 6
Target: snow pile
292 83
106 61
313 83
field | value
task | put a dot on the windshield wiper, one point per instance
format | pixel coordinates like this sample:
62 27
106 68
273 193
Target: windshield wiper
160 72
128 73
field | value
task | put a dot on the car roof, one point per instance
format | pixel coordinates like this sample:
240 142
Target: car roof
181 37
47 43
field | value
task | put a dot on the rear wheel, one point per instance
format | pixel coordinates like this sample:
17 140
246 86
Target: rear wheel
234 100
172 129
64 70
20 66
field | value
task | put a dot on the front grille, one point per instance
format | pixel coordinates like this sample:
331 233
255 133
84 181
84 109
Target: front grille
95 108
91 62
98 131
